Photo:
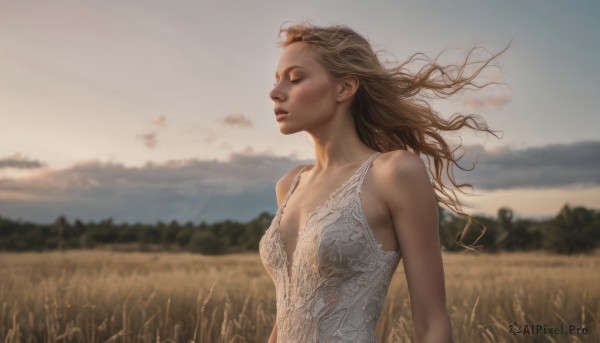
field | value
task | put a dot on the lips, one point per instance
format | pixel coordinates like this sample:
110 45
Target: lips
280 113
279 110
280 116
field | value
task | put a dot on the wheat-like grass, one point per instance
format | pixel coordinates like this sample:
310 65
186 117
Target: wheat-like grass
100 296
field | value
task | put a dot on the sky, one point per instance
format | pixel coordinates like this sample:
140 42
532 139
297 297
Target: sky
151 110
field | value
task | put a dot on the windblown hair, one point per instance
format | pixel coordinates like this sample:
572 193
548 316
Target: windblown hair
390 110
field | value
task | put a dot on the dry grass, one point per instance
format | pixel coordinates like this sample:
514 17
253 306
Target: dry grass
105 296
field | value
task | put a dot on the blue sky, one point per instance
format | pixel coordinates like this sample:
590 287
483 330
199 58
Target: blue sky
150 110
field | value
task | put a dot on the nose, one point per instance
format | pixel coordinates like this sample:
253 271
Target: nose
277 94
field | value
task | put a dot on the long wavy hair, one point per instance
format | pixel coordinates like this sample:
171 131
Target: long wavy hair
390 108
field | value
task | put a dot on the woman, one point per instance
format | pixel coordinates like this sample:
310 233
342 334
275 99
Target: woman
344 224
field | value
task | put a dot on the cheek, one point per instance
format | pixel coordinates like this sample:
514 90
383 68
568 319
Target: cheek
316 93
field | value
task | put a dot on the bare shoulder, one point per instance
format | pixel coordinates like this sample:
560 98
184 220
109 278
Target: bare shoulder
399 163
285 182
400 170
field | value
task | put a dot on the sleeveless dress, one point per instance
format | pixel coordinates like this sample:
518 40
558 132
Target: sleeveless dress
340 274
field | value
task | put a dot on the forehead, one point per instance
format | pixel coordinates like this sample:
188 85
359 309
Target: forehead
297 54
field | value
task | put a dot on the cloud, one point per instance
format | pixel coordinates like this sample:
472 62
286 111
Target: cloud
17 161
237 120
206 135
555 165
495 100
191 189
150 139
225 146
159 121
243 186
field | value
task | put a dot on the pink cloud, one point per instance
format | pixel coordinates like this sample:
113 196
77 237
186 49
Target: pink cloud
149 139
237 120
495 100
159 121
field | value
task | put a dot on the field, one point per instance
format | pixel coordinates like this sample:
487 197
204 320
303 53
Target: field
100 296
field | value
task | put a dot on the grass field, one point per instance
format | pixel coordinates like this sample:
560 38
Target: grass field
102 296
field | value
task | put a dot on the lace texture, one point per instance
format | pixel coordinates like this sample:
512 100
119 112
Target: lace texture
339 276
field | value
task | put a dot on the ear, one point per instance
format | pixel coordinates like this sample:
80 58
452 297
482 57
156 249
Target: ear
347 87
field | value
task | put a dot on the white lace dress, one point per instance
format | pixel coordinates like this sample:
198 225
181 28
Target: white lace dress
340 274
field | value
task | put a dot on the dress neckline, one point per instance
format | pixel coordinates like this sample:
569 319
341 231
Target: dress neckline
331 195
311 214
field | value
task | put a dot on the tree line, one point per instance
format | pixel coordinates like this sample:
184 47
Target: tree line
572 230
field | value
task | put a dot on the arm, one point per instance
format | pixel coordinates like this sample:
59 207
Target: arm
410 197
273 337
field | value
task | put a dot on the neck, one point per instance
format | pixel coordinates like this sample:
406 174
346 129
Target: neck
337 143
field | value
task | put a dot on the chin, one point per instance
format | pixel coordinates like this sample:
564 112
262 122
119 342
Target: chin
288 131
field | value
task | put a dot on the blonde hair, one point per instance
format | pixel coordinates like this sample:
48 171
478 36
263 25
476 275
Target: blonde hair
388 109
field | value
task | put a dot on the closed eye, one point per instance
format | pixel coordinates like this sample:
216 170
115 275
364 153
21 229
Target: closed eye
291 81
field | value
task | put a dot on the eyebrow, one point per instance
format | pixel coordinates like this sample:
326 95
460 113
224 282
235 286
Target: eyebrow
288 69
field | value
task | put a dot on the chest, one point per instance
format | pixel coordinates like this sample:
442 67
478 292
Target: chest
334 243
346 208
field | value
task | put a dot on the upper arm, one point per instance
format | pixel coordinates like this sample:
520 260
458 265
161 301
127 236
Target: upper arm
411 199
284 183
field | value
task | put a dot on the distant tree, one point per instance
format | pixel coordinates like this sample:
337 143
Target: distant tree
144 237
572 231
205 242
169 233
254 230
505 237
487 228
596 233
526 235
61 224
453 226
32 240
86 241
449 228
128 234
103 232
517 235
184 235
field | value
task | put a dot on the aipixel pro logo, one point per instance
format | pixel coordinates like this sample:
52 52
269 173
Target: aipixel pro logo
543 329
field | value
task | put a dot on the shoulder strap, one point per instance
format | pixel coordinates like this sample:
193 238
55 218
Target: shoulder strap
365 168
293 185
